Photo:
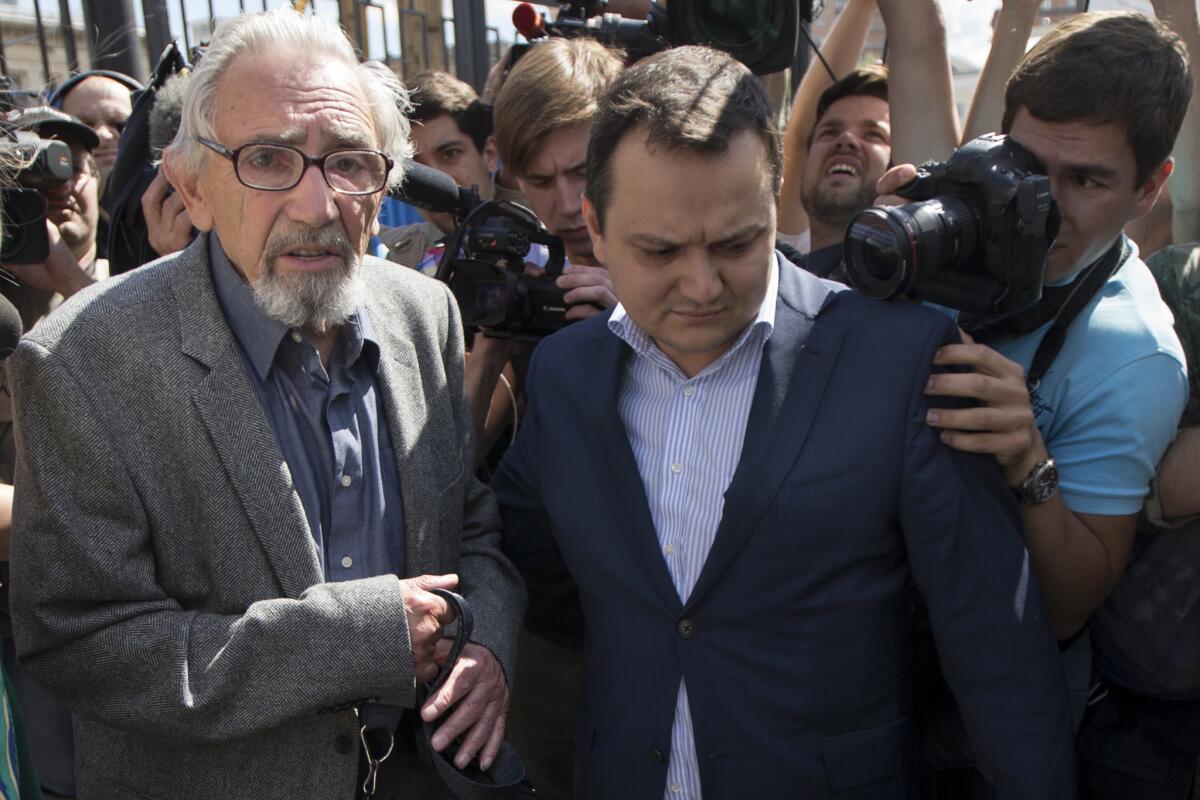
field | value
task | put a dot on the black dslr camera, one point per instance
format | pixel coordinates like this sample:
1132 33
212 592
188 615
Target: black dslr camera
976 240
483 261
44 163
764 35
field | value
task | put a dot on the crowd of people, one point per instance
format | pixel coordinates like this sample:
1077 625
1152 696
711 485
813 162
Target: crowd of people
736 530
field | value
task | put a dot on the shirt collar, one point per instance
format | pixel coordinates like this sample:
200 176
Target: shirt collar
259 334
623 326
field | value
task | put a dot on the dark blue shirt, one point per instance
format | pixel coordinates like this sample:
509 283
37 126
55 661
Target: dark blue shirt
330 426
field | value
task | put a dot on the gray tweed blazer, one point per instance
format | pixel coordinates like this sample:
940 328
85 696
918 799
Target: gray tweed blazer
164 580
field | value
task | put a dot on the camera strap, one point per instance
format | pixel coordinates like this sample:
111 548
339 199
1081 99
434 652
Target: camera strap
1060 305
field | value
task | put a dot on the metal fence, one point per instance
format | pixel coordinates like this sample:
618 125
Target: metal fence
44 41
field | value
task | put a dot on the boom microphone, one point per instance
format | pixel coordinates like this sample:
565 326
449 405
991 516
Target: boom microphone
434 190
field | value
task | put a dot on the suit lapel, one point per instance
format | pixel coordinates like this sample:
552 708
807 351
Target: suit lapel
404 407
797 362
237 425
620 480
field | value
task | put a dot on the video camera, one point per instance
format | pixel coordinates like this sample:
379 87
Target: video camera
483 262
976 240
764 35
44 163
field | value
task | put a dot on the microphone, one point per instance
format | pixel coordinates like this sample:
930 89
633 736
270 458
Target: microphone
434 190
166 112
528 21
10 328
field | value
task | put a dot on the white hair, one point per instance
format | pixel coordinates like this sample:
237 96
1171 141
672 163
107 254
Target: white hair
284 30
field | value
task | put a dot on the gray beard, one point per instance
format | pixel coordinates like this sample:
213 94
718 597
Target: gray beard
319 300
837 208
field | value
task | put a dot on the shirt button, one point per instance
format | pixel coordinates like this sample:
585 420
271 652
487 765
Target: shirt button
687 629
677 468
676 788
296 337
347 562
669 549
347 480
688 391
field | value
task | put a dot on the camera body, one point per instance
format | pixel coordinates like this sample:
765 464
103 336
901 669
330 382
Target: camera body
489 281
976 239
45 163
765 35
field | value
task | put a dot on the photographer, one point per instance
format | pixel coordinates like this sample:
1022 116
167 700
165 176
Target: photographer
72 216
72 213
543 117
1079 443
450 133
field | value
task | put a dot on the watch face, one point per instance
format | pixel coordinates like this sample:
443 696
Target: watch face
1042 484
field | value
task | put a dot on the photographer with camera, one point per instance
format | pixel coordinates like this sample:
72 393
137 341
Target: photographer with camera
71 219
1078 396
451 131
542 119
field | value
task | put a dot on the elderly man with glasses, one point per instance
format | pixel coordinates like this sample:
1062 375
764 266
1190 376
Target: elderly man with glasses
244 470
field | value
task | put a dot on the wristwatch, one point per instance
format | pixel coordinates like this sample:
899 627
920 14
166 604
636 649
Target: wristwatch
1039 486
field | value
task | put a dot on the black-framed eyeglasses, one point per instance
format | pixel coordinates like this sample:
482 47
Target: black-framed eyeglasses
273 167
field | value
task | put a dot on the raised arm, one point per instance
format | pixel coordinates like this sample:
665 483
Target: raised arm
920 89
1184 183
1013 27
841 49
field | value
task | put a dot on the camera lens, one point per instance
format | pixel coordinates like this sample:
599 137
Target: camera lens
891 251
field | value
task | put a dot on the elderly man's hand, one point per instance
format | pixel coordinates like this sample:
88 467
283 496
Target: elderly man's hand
590 290
60 272
892 180
168 225
478 694
427 614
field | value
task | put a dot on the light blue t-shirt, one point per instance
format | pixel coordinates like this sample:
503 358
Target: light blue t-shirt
1110 403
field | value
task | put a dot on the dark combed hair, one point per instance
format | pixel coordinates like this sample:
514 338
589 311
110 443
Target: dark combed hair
870 80
435 93
1108 67
687 98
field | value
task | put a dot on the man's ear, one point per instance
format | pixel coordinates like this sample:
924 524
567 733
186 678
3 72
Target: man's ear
491 156
188 187
593 226
1152 187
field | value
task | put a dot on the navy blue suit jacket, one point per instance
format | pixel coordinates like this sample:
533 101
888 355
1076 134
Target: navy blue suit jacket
795 643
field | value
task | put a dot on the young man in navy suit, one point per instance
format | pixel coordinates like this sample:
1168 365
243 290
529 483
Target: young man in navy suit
735 468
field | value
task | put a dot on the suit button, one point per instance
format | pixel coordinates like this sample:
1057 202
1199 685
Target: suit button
687 628
658 756
343 744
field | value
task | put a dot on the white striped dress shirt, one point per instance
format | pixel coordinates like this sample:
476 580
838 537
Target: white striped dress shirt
686 436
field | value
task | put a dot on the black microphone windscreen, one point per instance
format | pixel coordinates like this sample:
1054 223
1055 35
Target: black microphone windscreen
434 190
10 328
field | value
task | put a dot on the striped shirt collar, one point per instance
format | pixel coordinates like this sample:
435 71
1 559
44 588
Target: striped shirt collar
624 327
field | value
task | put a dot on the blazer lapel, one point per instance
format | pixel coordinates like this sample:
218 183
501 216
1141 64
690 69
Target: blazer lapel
797 362
404 407
238 427
620 480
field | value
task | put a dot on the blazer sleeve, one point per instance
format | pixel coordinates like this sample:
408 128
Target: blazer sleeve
963 535
486 577
94 625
